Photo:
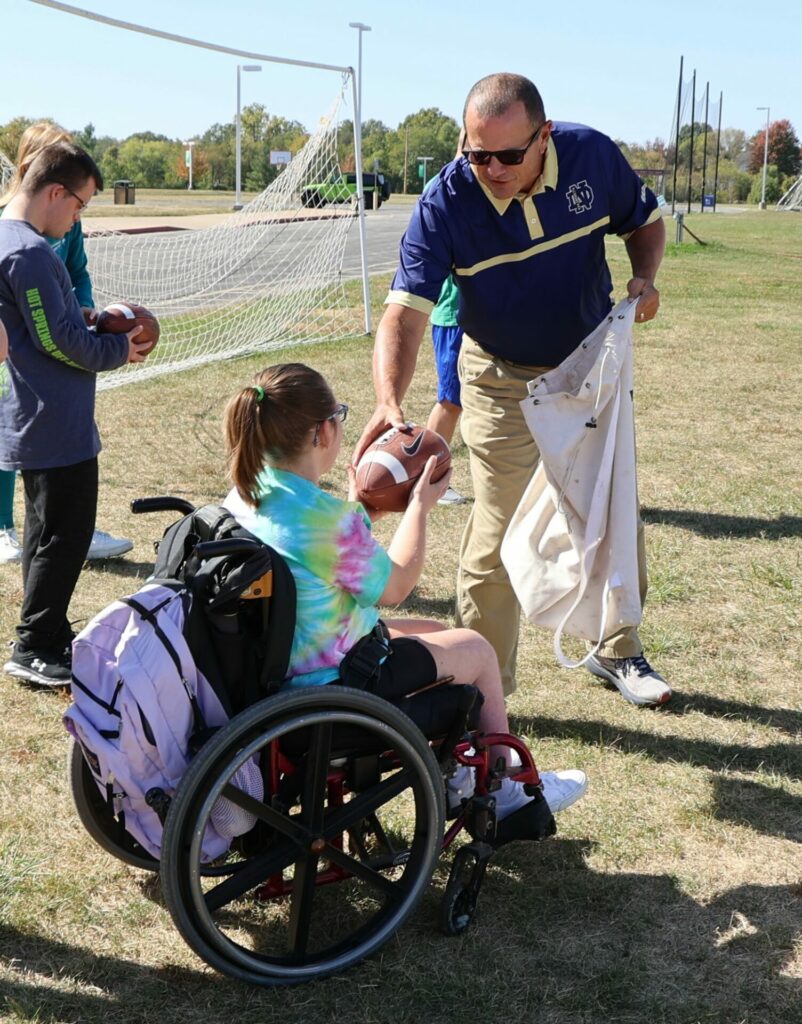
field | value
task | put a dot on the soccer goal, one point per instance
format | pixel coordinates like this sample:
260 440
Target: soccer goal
270 275
792 200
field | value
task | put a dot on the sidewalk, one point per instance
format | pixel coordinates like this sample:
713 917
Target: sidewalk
140 225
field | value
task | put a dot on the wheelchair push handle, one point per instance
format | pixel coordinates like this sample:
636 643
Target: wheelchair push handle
229 546
167 503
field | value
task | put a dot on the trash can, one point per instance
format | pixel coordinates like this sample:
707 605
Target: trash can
124 193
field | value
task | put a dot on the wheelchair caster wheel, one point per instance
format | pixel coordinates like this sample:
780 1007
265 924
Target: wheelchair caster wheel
462 889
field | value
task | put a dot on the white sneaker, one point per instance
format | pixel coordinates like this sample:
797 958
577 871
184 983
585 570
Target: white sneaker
635 678
561 789
452 497
105 546
10 550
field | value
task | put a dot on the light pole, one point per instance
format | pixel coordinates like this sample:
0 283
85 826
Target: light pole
765 157
360 180
360 27
189 146
238 159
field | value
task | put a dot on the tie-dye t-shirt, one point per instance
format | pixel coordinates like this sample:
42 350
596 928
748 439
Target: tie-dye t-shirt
340 570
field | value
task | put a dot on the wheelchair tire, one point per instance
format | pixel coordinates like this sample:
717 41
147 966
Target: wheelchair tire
97 820
383 830
462 889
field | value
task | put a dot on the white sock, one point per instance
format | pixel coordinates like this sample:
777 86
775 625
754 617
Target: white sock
461 785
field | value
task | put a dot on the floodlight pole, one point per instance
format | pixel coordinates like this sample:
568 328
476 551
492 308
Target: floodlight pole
356 80
238 156
765 158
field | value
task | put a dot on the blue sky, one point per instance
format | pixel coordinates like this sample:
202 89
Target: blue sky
613 65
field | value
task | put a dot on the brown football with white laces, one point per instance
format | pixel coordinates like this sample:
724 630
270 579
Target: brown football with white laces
122 317
392 465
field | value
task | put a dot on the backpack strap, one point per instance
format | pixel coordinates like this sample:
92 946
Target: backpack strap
150 615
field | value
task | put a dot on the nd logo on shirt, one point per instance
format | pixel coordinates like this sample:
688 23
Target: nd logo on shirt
580 197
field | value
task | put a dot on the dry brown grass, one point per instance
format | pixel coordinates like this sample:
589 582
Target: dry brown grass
672 892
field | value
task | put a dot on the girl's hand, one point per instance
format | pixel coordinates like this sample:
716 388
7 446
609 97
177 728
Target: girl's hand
427 492
374 514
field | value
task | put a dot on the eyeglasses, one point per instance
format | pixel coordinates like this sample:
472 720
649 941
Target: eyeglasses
83 205
340 413
481 157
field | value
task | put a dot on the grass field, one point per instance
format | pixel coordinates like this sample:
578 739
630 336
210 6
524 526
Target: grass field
673 891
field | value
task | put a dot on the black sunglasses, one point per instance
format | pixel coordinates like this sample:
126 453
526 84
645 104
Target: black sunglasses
481 157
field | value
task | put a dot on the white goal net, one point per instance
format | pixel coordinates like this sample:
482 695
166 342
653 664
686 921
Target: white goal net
6 172
270 275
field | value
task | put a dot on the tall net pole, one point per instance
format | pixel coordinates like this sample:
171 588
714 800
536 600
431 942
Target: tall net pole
676 138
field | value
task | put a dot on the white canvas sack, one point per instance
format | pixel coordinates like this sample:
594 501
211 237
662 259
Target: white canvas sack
571 546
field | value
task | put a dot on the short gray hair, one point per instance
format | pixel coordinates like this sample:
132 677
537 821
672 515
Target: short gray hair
493 96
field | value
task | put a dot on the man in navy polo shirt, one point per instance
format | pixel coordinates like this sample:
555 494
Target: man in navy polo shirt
520 221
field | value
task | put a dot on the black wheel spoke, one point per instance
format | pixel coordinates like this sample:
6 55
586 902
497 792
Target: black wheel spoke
303 891
316 778
281 823
253 872
366 803
367 874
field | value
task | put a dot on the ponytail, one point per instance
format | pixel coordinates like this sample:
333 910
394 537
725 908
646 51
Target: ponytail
270 422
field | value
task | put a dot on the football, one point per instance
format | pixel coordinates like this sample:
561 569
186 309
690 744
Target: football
391 466
122 317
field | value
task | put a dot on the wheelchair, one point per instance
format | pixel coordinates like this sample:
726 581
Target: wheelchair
350 829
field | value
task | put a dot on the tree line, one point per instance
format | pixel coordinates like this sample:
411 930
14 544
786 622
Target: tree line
156 161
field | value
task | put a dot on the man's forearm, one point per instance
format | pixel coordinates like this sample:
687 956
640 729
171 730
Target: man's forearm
645 249
395 353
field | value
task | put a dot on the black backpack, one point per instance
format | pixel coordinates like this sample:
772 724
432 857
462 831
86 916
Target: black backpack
241 619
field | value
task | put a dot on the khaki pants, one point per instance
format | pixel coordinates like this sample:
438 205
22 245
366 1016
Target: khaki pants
503 457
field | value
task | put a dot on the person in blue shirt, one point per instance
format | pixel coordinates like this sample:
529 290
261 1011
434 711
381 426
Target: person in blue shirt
69 249
520 220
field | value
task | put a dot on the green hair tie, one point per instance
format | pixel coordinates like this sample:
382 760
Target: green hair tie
260 392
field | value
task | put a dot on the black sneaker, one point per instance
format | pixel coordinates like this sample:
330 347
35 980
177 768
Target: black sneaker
44 668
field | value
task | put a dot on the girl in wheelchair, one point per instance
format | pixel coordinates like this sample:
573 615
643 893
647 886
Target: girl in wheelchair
284 434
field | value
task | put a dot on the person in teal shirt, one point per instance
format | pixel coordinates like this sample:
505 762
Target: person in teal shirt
446 341
284 433
70 250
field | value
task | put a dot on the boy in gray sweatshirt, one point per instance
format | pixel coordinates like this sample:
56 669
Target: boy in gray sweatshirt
47 402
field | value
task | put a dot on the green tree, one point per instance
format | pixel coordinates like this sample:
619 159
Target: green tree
774 189
10 135
150 162
429 132
86 139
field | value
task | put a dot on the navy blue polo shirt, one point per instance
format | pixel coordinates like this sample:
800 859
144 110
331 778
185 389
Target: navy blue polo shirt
531 270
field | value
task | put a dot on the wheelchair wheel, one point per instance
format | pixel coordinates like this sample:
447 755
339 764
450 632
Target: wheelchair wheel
354 796
96 818
462 889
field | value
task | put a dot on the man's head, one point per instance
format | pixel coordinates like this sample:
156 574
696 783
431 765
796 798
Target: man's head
504 115
59 182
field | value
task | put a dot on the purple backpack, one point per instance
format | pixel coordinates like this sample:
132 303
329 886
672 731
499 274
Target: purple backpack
138 701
